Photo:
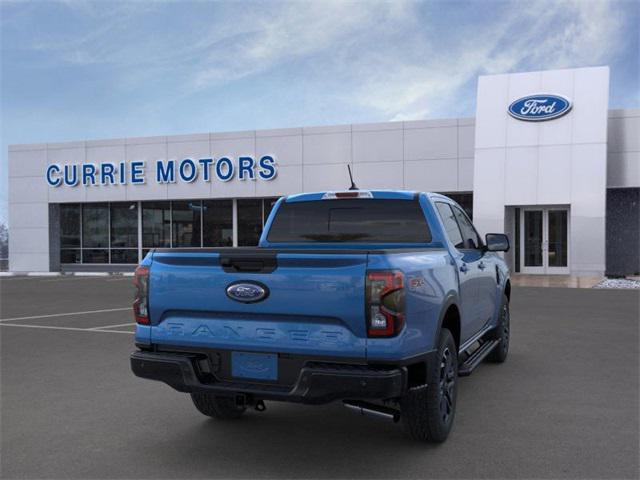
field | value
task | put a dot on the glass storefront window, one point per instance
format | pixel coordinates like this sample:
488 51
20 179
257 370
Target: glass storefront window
124 232
95 225
108 232
69 255
94 255
156 224
249 222
69 226
217 223
126 255
558 238
124 225
185 219
533 238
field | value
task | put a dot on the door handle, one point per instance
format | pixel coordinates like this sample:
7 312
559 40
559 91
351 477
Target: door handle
464 268
482 266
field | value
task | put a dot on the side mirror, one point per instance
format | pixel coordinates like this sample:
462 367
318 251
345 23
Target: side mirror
496 242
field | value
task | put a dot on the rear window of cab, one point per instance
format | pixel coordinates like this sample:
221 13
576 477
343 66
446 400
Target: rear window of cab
350 221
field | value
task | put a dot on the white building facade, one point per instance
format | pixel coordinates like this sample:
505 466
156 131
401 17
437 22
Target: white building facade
544 160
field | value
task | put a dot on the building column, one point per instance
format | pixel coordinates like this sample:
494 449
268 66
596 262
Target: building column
140 232
54 237
234 218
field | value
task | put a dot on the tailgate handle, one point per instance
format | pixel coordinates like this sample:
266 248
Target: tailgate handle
249 263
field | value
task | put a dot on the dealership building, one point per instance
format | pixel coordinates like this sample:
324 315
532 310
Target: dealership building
544 160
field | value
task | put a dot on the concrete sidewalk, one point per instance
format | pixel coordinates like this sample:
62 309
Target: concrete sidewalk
556 281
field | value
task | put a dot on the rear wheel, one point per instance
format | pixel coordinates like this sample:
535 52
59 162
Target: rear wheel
502 331
428 412
214 406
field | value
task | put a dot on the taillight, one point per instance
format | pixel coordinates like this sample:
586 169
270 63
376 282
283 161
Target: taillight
384 302
141 300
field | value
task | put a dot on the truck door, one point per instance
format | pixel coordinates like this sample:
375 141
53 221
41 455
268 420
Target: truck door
467 264
484 270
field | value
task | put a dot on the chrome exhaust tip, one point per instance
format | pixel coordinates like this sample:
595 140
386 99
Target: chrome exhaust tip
373 410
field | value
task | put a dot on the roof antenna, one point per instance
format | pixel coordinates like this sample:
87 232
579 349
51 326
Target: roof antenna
353 185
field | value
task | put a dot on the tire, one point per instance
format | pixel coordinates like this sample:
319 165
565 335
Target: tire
220 408
427 413
502 331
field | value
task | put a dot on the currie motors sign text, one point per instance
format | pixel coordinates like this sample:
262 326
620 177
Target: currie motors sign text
536 108
187 170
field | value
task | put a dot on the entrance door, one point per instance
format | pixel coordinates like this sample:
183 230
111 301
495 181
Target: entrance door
544 244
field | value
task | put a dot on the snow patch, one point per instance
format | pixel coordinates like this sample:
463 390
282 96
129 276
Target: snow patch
624 283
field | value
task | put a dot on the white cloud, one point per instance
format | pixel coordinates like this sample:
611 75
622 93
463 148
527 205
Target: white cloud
527 36
231 41
295 30
389 57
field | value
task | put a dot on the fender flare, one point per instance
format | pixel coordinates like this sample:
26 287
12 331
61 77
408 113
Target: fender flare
450 299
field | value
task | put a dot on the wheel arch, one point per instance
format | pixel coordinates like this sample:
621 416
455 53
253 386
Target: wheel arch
450 319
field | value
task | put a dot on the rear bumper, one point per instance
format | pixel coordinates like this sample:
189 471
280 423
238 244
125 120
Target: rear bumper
317 382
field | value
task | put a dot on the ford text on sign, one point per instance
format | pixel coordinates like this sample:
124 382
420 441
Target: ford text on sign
536 108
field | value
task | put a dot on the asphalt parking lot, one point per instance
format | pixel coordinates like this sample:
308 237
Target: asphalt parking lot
564 405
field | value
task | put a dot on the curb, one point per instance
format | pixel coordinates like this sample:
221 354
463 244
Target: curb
67 274
91 274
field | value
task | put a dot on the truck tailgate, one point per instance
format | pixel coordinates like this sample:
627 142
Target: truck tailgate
315 304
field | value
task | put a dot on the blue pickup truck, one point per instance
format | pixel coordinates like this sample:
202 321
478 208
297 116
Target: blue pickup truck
378 299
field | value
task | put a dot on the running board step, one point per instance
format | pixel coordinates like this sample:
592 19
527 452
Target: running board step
465 369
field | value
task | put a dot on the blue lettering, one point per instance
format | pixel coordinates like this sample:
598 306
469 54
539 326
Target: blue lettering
222 162
123 173
267 168
175 328
88 174
71 180
137 172
165 174
203 331
192 169
106 172
206 164
54 182
245 165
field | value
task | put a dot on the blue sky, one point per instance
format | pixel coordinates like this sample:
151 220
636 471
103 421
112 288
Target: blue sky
76 70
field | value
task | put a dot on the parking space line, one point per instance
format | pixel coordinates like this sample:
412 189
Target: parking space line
74 329
72 279
88 312
113 326
18 279
62 279
114 331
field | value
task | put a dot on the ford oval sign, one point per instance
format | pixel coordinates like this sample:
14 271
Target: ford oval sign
536 108
247 292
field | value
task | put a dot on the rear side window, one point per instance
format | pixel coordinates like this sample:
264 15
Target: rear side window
350 221
469 235
450 224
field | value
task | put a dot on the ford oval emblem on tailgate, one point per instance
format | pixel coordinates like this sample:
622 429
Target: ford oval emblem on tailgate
247 292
